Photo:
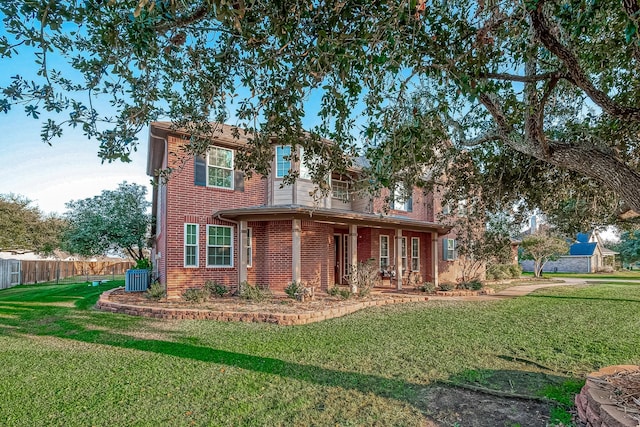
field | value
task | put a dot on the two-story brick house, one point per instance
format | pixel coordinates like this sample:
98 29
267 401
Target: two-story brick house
213 223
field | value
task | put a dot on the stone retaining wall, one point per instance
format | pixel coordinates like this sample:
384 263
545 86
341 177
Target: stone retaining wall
465 293
232 316
594 407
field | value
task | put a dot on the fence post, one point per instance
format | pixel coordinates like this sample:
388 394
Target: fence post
35 276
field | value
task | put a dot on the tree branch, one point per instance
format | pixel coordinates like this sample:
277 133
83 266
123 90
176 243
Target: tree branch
545 35
522 79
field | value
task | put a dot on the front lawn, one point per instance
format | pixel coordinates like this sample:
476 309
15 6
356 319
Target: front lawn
622 274
64 363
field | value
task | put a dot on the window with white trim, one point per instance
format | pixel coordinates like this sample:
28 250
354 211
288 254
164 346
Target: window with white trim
340 189
191 245
449 249
384 252
415 254
220 167
219 246
462 208
283 161
403 253
249 247
401 201
305 173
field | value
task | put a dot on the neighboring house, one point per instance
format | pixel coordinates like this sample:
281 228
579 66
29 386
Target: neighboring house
214 223
587 254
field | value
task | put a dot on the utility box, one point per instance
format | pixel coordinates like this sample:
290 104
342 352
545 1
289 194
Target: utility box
136 280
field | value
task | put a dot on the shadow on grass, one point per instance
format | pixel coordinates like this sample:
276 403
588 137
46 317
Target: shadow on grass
46 318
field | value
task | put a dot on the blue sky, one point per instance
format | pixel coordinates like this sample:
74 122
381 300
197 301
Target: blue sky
68 170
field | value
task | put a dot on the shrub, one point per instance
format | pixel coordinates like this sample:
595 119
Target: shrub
427 287
364 276
335 291
155 291
293 289
344 293
196 295
143 264
515 271
503 271
446 286
253 292
216 289
474 285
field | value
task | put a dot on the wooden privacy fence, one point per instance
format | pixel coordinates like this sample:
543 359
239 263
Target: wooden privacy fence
9 273
56 271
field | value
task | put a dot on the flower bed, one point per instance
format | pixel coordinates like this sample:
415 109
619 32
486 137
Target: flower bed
281 311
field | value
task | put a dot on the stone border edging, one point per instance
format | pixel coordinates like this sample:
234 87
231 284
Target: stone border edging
594 406
234 316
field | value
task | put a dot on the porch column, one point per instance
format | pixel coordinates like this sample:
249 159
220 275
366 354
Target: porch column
296 229
434 257
353 246
242 252
398 251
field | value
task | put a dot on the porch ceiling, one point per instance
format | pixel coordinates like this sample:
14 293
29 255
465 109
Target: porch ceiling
333 216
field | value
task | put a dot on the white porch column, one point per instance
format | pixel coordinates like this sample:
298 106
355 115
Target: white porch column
353 246
434 257
242 252
398 250
296 231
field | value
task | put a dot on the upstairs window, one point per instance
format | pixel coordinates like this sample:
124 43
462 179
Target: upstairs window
340 190
305 173
220 168
283 161
462 208
401 201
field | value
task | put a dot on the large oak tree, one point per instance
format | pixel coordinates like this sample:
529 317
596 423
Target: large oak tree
530 100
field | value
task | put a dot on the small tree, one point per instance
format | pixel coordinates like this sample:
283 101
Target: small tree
113 221
629 246
23 226
542 248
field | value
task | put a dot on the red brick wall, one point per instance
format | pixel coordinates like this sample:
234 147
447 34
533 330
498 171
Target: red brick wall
364 245
188 203
316 255
277 256
422 206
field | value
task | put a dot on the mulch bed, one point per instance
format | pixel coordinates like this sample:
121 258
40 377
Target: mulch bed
276 303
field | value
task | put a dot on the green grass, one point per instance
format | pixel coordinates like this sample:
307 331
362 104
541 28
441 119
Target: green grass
64 363
622 274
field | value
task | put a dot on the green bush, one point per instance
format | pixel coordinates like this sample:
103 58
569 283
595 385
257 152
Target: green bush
293 289
344 293
515 271
474 285
334 291
196 295
216 289
143 264
446 286
427 287
503 271
253 292
155 291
